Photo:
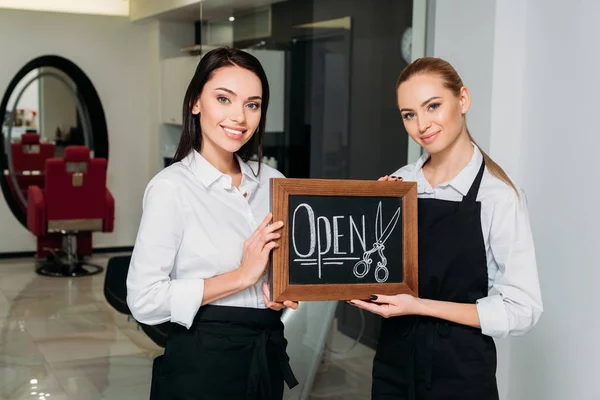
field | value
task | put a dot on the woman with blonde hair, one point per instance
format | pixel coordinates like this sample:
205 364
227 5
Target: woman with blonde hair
478 276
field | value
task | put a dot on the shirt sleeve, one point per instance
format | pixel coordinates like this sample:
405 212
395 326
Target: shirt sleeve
514 303
152 296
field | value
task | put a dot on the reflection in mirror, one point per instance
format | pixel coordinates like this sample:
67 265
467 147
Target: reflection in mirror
44 115
54 167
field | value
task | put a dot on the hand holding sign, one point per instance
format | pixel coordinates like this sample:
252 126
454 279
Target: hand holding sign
275 305
389 178
257 250
390 306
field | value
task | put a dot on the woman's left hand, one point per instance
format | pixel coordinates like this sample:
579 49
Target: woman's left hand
390 306
274 305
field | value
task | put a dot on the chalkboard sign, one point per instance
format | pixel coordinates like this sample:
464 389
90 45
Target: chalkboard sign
344 239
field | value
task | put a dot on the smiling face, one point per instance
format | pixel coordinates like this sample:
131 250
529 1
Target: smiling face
230 110
433 115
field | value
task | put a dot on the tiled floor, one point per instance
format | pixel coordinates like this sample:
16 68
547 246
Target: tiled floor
59 340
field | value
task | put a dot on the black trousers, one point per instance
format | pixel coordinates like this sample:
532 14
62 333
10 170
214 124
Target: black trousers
228 353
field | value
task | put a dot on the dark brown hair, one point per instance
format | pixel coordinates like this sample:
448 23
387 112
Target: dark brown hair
191 136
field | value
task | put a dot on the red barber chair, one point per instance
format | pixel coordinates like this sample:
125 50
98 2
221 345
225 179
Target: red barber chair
28 160
74 203
29 154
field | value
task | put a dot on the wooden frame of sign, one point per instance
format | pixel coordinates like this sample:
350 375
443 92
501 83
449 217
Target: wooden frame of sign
325 268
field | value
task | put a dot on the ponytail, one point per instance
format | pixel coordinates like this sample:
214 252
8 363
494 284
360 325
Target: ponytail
494 168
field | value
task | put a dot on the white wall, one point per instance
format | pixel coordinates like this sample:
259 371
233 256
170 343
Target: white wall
534 64
102 7
140 9
121 60
464 34
558 166
508 84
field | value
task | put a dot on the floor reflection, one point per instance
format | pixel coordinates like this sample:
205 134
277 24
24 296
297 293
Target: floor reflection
60 340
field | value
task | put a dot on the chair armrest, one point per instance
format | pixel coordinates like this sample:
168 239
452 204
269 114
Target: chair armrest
109 216
36 211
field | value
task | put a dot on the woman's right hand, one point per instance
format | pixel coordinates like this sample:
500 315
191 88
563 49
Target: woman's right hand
257 249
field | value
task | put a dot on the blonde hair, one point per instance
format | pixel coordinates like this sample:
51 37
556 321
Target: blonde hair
453 82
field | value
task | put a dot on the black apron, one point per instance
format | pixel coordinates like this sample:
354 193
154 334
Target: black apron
228 353
424 358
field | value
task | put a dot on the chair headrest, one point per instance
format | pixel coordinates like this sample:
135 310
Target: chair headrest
77 153
30 138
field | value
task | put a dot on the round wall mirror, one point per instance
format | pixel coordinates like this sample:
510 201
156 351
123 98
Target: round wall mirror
50 104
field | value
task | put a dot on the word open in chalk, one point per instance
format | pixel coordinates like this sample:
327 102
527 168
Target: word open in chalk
335 239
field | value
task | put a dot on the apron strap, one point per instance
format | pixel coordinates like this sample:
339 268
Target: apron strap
474 190
259 380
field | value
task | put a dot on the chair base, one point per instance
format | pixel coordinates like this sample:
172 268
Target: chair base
67 262
57 268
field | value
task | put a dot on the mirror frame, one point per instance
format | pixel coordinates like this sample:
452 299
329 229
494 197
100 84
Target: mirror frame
92 103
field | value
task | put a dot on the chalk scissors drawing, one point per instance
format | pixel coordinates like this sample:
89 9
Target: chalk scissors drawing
361 268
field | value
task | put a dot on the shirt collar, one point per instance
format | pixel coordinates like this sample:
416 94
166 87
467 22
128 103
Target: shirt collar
208 174
463 181
247 170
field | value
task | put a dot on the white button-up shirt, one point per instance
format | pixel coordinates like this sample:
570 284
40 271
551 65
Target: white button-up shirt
514 302
193 227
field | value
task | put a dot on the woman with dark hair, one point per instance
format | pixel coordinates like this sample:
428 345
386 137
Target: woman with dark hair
201 251
478 274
